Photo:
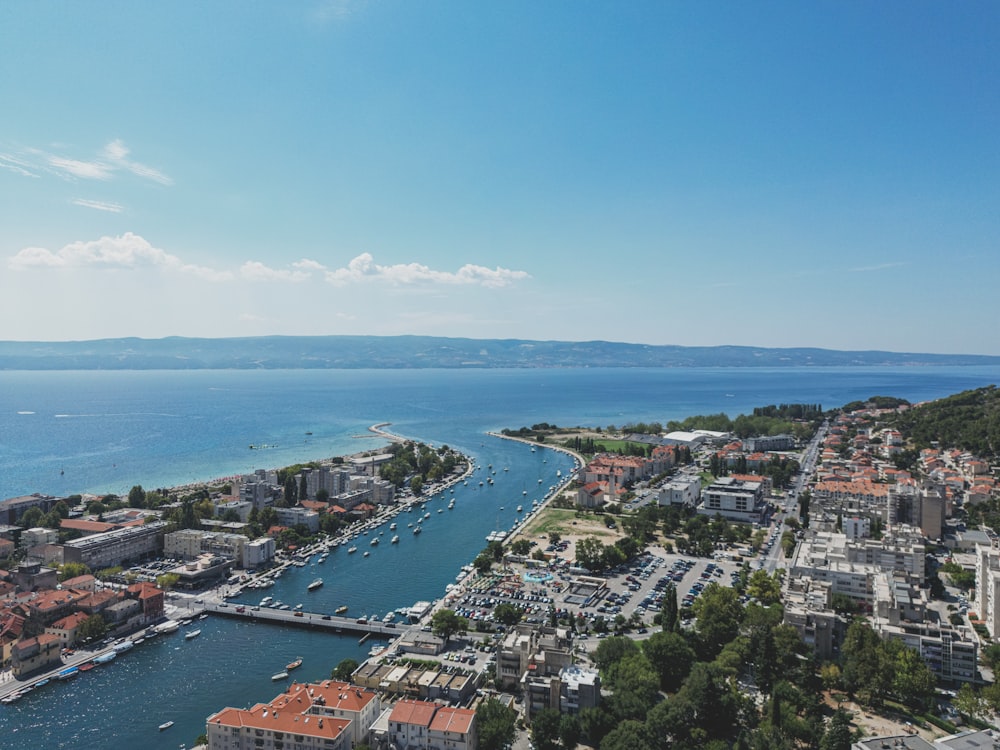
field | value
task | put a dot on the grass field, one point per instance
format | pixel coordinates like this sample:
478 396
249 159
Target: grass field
567 523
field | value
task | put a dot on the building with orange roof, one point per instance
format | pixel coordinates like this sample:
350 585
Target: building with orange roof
340 701
151 600
410 723
66 628
36 653
85 582
453 728
265 726
86 527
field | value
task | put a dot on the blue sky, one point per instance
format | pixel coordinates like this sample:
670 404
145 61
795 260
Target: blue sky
768 173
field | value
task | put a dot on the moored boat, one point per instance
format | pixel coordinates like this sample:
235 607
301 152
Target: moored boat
68 674
166 725
105 657
315 584
416 530
294 664
395 539
192 634
279 676
86 667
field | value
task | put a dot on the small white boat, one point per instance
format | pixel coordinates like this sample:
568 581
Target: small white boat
366 553
416 530
192 634
392 526
351 550
395 539
315 584
279 676
166 725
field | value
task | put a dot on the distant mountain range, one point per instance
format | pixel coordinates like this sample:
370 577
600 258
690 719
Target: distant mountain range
402 352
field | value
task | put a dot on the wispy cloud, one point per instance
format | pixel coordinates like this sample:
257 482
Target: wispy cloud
327 11
17 165
363 268
877 267
115 208
128 251
110 161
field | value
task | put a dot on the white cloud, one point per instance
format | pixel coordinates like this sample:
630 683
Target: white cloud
115 208
108 163
92 170
17 165
363 268
128 251
254 270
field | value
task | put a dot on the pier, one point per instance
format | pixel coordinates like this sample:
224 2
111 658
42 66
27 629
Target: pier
313 620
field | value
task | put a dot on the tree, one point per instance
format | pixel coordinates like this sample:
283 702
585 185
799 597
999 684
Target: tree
30 518
838 735
590 553
521 547
569 731
719 613
72 570
137 497
344 670
483 563
670 614
628 735
445 623
507 614
92 629
545 729
612 650
496 725
671 657
167 581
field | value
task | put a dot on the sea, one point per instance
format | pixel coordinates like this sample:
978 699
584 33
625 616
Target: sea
69 432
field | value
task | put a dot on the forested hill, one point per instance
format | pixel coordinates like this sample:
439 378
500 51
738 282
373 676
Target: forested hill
350 352
969 420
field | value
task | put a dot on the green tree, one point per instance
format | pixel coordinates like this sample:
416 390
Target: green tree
167 581
719 613
628 735
569 731
31 518
344 670
670 613
590 553
137 497
496 725
92 629
545 729
483 563
507 614
838 735
671 657
612 650
72 570
445 623
521 547
868 671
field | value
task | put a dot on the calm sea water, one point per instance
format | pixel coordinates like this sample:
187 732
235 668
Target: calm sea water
67 432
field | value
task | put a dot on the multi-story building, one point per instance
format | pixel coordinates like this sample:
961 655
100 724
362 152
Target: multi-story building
297 516
31 654
683 490
735 500
118 547
188 544
263 728
421 725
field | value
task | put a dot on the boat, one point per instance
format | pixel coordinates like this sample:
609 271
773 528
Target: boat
279 676
8 699
86 667
366 553
122 647
192 634
203 615
341 610
374 542
440 510
314 585
451 505
519 508
68 674
166 725
351 550
416 530
298 607
392 526
427 515
395 539
105 658
294 664
41 683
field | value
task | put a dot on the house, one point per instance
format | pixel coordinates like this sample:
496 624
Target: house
33 654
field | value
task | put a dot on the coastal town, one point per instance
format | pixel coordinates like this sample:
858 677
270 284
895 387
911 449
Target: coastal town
824 540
